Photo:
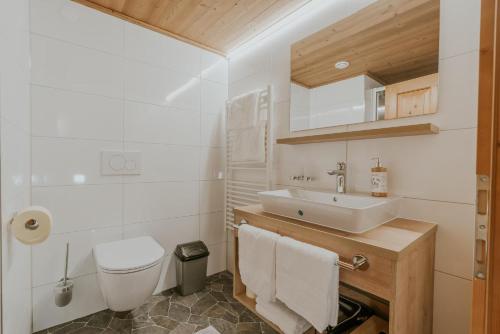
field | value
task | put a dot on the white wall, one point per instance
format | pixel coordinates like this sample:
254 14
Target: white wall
99 83
434 174
15 161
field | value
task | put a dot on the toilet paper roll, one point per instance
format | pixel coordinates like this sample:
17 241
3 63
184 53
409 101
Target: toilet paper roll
32 225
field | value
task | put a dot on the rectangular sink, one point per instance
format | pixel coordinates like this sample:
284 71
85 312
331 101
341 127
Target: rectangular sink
352 213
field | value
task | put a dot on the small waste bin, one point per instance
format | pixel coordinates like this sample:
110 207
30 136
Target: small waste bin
191 266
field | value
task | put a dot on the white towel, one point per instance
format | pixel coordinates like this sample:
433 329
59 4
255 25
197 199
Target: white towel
307 281
249 145
280 315
242 112
257 260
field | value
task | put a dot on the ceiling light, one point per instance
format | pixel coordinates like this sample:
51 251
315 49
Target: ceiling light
342 65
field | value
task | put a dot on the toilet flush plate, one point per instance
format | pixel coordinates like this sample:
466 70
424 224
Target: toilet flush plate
121 163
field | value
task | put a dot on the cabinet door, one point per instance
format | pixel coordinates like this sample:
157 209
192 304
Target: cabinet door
412 98
413 103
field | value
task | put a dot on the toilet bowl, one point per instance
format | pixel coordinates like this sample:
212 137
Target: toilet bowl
128 271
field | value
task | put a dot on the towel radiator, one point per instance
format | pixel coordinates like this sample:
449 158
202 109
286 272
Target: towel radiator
358 261
245 180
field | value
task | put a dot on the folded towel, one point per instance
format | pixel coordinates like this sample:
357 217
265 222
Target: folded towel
249 145
257 249
307 281
242 112
280 315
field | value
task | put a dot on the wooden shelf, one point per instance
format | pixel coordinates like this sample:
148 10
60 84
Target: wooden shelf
250 304
395 131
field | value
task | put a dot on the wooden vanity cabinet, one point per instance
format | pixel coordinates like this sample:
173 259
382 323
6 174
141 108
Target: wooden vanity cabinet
400 268
412 98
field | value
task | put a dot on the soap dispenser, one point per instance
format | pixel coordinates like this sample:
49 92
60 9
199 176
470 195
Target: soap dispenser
379 179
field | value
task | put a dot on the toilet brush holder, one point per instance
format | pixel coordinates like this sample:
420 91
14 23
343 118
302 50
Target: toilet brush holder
63 291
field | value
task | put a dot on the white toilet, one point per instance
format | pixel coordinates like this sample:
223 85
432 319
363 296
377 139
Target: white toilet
128 271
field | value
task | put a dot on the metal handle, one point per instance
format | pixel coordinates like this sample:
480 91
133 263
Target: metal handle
358 262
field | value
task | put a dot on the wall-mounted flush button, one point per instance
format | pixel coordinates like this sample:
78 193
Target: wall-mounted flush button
117 162
120 163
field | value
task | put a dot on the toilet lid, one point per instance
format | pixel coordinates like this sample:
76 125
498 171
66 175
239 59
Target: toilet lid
128 254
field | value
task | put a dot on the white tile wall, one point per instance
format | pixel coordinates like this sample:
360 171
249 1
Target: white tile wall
100 83
15 177
434 174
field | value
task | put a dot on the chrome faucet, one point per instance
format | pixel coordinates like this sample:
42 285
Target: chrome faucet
340 173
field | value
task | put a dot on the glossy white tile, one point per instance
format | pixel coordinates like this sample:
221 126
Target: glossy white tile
455 233
212 163
49 256
146 202
58 161
153 124
458 91
14 15
67 66
162 162
212 130
418 166
151 47
168 232
213 97
211 196
168 275
15 160
75 23
452 304
77 208
87 299
310 160
217 258
213 228
60 113
161 86
455 37
214 67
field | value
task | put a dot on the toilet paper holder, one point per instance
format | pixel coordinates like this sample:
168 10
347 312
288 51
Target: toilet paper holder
32 224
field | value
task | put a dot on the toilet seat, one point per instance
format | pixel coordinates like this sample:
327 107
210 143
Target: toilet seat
128 256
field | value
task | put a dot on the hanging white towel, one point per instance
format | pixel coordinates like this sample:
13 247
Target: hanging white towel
249 145
280 315
257 260
243 112
307 281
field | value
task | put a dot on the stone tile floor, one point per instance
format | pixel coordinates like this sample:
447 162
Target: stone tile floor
171 313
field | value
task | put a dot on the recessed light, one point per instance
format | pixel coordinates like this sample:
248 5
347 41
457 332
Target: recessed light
342 65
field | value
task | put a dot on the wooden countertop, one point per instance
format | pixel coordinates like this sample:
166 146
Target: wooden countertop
396 236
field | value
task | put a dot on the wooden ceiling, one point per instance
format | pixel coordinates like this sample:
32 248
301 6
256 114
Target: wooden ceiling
217 25
390 40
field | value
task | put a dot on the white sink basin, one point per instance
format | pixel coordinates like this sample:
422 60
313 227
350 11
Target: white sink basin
351 213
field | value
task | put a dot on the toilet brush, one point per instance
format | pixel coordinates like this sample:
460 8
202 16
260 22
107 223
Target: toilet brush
63 291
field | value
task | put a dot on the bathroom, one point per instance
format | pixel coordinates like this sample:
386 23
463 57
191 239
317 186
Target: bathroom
114 123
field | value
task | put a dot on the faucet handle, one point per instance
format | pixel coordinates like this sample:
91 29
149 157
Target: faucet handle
341 165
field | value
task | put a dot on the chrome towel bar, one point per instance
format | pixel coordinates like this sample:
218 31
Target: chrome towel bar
358 262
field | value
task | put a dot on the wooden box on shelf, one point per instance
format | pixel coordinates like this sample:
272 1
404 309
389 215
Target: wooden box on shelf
412 98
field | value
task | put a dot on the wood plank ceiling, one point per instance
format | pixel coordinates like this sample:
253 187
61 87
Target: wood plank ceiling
217 25
391 40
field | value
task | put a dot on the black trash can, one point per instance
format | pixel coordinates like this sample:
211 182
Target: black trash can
191 266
